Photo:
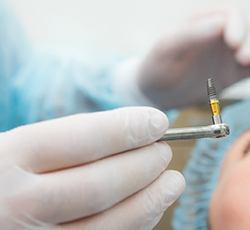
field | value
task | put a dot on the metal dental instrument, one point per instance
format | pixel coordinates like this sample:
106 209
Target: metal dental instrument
213 102
217 130
212 131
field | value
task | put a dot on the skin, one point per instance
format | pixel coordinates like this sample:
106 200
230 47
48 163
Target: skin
230 204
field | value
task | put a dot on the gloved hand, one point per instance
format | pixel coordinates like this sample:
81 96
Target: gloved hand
88 171
214 44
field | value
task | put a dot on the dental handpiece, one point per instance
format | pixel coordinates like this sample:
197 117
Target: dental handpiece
216 130
209 131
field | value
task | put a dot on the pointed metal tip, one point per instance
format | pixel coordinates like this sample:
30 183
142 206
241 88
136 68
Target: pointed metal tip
211 88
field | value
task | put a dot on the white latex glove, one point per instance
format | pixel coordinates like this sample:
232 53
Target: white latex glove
214 44
88 171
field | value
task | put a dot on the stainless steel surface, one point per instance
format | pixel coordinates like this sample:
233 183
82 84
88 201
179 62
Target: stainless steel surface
211 91
217 119
210 131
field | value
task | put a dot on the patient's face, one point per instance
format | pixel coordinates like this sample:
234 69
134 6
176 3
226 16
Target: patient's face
230 205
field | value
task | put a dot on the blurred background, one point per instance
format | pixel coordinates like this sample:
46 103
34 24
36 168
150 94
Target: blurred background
131 27
126 27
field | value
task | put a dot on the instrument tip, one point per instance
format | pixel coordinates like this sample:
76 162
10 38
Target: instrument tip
211 88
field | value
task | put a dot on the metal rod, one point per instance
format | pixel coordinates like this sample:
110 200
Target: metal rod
210 131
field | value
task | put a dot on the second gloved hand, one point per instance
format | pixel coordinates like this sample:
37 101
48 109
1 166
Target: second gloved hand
215 43
88 171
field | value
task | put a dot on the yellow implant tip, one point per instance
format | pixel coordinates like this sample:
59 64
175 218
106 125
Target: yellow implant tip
215 106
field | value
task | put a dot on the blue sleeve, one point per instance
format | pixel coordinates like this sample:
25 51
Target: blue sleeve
49 87
36 87
13 53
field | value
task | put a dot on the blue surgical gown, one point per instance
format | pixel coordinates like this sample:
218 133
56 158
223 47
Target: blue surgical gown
36 87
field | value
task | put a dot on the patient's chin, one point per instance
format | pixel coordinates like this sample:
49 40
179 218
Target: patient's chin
229 210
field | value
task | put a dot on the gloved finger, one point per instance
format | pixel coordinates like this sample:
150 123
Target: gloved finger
235 24
89 189
236 28
243 54
204 13
78 139
141 211
202 30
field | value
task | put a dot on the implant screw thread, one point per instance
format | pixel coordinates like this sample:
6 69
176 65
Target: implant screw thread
213 102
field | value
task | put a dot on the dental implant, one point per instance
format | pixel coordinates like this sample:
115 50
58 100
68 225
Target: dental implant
216 130
213 102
